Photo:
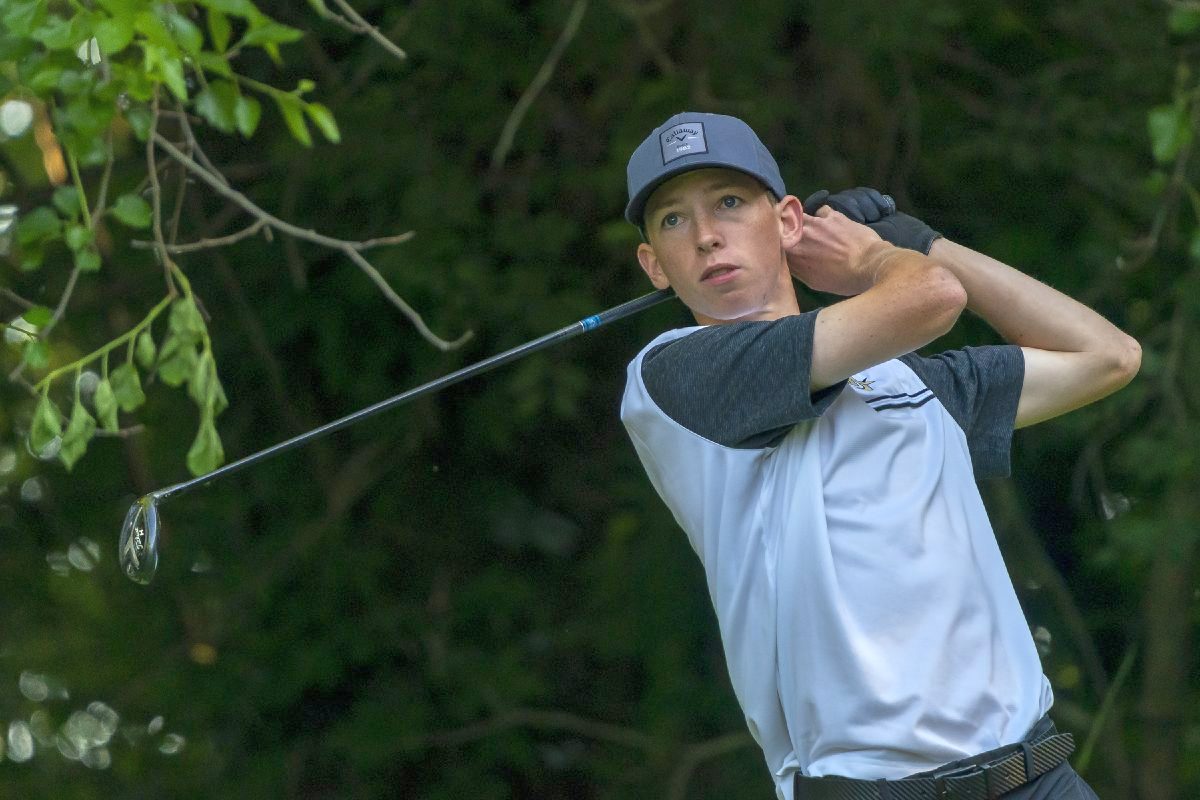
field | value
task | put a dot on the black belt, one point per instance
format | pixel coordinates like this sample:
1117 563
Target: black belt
982 777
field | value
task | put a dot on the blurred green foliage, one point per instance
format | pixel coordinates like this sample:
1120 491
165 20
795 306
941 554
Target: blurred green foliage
479 595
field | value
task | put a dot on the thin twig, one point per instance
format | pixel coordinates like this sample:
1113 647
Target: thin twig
156 197
204 244
102 196
177 214
535 87
57 316
350 249
370 30
16 298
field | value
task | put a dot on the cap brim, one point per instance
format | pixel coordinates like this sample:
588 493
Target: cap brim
636 208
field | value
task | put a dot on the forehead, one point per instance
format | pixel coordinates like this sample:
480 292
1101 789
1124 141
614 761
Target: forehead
700 181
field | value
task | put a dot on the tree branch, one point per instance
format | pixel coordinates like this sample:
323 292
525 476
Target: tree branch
357 24
535 87
349 248
156 198
205 244
16 298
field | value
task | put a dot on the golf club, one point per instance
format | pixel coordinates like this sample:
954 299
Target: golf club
138 545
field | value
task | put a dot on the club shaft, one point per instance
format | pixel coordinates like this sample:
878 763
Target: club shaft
574 329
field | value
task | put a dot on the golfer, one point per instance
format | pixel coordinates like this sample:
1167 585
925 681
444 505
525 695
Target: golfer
825 474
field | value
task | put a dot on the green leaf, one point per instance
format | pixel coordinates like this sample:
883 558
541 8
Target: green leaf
322 117
206 453
219 29
37 316
205 387
80 429
167 67
78 236
238 8
46 78
176 361
46 426
66 200
1169 131
247 112
217 104
105 403
216 64
139 119
319 6
32 255
272 49
36 354
127 387
289 107
87 259
185 321
21 17
156 32
38 225
57 33
144 350
114 34
270 33
132 210
184 31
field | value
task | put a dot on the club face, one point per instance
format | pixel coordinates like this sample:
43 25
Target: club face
138 546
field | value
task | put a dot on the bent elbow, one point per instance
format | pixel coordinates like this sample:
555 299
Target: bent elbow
1127 360
947 299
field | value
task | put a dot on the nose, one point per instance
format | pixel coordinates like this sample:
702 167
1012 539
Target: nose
707 236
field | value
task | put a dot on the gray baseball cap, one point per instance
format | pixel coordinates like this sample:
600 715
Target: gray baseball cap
694 140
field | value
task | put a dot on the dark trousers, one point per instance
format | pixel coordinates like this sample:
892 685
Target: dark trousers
1060 783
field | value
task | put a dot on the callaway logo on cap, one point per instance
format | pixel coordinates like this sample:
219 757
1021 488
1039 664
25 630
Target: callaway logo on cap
683 140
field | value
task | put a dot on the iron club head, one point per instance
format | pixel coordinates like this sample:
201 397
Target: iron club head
138 546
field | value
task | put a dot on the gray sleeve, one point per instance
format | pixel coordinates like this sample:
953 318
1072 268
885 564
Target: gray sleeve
980 387
741 385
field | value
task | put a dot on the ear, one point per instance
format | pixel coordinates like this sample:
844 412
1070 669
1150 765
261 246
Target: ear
791 221
650 265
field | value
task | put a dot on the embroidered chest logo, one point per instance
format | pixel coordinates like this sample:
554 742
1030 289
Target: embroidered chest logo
863 383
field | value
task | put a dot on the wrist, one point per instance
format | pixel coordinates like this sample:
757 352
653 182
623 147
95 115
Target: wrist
874 260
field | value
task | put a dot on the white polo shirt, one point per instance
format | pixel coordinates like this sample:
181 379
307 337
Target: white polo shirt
868 621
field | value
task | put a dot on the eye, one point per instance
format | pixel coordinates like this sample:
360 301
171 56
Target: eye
730 201
670 220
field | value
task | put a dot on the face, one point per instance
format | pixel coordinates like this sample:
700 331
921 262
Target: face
717 238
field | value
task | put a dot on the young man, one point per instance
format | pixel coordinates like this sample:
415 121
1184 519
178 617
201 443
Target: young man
825 474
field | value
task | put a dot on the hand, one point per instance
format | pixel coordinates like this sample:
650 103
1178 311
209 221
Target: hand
878 212
831 256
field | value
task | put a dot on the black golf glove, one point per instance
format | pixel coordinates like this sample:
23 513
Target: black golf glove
878 212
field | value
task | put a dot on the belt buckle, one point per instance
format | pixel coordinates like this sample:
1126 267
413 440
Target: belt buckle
939 778
943 790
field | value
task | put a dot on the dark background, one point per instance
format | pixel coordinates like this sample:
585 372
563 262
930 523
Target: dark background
479 595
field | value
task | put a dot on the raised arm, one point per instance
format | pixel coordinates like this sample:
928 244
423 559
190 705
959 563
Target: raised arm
902 300
1073 356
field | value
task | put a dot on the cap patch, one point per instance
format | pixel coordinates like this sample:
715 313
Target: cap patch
685 139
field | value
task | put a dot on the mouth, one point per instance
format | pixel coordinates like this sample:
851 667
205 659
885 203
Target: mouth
718 273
